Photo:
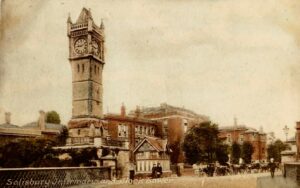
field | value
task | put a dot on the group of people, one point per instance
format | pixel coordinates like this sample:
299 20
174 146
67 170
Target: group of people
156 171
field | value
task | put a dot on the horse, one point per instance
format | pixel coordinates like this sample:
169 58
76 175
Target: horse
254 166
239 169
222 170
209 170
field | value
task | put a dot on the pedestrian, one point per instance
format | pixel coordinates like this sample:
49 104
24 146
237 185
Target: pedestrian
210 169
131 172
159 170
272 167
154 169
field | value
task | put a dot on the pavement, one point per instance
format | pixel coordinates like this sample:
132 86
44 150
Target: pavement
277 182
259 180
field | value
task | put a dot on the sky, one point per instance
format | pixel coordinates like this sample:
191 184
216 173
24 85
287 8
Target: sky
220 58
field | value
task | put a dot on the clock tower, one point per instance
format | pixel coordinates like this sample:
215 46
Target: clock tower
86 57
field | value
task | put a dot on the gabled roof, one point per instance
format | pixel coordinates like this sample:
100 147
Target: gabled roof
49 126
154 142
84 16
8 125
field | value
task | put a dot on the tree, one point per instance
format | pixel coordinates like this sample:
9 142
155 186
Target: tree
62 137
25 153
201 143
52 117
247 151
83 156
275 149
175 154
235 153
222 153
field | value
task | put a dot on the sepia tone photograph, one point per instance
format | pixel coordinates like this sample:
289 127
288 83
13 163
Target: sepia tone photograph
161 93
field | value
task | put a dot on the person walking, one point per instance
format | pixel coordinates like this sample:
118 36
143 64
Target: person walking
159 170
154 170
272 167
131 172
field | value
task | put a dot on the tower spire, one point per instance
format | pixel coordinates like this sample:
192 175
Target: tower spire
102 24
69 18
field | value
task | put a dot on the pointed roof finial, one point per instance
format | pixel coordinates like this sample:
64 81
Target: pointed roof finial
89 13
84 16
102 24
69 18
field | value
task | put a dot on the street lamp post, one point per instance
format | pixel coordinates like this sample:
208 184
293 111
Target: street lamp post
286 132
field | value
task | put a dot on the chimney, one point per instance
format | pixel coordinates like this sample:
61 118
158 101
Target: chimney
137 111
123 110
7 117
235 122
42 120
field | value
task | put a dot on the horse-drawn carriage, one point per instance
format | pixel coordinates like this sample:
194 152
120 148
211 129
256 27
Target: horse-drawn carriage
213 169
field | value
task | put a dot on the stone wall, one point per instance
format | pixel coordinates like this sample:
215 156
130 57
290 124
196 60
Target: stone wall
53 177
292 171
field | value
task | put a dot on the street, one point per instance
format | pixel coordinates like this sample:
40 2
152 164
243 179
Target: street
260 180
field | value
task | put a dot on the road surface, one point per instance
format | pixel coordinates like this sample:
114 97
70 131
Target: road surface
259 180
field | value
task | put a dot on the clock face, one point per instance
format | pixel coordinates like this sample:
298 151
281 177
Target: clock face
95 48
80 46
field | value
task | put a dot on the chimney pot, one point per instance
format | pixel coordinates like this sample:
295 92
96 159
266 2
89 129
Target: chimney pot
137 111
7 117
123 110
42 120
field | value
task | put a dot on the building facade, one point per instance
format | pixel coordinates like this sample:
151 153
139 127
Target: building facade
151 151
176 122
86 57
135 130
119 134
37 129
241 134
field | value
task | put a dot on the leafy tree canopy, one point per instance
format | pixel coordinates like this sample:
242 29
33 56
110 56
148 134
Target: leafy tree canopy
247 151
275 149
52 117
62 137
25 153
235 153
222 153
201 143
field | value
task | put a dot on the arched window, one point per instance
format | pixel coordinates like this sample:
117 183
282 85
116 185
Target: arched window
82 67
95 69
78 67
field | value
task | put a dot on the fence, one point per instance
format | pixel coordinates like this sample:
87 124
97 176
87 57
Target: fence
52 177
